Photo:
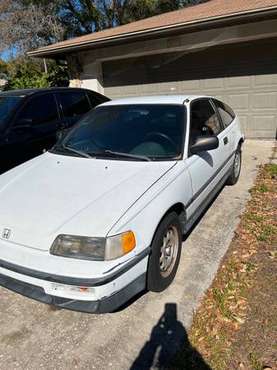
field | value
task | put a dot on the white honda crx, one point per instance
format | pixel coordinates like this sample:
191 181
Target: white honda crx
100 217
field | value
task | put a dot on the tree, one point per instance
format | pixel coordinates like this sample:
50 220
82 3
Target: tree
28 73
3 68
85 16
24 27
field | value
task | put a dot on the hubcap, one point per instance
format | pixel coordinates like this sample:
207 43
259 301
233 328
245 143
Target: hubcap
169 251
237 164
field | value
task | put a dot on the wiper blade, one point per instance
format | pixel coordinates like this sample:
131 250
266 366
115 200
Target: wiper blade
127 155
76 151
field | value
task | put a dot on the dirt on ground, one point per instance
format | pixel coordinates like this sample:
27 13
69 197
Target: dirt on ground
235 326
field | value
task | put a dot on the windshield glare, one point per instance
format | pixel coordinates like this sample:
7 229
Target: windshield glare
153 131
7 105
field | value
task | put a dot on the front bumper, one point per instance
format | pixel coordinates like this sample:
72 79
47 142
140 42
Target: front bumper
94 295
104 305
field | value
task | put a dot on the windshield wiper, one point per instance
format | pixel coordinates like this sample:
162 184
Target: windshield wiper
126 155
76 151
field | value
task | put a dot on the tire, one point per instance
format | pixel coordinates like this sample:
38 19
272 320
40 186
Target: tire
163 262
234 176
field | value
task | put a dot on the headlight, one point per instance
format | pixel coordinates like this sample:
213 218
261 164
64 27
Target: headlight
96 249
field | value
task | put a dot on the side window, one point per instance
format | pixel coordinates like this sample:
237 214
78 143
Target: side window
39 109
74 103
226 113
94 100
204 119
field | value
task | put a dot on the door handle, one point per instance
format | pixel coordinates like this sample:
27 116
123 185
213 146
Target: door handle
225 140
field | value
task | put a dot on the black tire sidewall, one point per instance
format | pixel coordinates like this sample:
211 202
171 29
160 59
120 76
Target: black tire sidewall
232 179
155 281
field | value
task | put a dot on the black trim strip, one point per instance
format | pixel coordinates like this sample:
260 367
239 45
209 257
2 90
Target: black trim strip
76 281
203 187
197 213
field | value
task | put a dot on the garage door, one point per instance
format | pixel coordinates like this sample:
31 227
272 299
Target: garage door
244 75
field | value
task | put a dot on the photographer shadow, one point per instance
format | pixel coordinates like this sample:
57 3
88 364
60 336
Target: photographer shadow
168 337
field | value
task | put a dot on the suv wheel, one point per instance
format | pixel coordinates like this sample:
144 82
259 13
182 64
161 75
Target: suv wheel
166 252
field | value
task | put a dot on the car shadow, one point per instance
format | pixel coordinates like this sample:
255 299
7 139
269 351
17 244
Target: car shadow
206 156
167 338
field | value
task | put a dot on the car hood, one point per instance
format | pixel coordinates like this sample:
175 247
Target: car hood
56 194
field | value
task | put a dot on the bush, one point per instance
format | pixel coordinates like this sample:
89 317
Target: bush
27 73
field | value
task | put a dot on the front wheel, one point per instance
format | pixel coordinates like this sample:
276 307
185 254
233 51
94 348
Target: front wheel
165 255
234 176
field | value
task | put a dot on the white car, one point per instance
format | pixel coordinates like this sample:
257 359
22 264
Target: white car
100 217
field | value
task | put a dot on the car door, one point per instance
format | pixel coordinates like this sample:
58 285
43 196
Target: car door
34 127
73 104
208 167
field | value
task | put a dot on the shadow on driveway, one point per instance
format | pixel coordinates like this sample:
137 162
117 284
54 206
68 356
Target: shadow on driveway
167 338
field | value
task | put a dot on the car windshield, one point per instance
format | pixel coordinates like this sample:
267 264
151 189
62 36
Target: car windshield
7 105
131 132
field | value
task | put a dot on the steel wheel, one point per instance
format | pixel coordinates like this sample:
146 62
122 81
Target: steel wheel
237 164
165 254
169 250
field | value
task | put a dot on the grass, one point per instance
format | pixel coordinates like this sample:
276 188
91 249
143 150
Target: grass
255 363
272 169
262 188
268 232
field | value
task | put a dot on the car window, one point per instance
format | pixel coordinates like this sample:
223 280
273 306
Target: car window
74 103
152 130
7 105
95 100
226 113
204 119
39 109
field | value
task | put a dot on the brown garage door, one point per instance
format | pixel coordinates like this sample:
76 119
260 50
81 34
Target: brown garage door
243 75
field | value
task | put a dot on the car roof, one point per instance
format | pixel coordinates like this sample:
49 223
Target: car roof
27 92
155 99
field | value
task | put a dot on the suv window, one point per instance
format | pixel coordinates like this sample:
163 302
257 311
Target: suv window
74 103
226 113
8 104
39 109
95 99
204 119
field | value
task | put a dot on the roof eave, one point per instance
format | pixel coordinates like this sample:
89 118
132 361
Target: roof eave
51 51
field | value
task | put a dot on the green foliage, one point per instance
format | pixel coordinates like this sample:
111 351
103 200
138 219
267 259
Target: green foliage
27 73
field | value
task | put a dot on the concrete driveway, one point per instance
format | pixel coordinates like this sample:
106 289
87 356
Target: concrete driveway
150 329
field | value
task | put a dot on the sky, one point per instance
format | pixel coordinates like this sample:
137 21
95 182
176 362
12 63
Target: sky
5 55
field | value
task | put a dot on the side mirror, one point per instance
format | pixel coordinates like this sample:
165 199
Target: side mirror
204 143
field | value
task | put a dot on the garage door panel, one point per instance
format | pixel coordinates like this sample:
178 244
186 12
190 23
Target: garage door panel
216 83
238 82
239 101
266 81
264 100
244 76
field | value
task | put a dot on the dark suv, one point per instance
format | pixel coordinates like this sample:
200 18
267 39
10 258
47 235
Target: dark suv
30 120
